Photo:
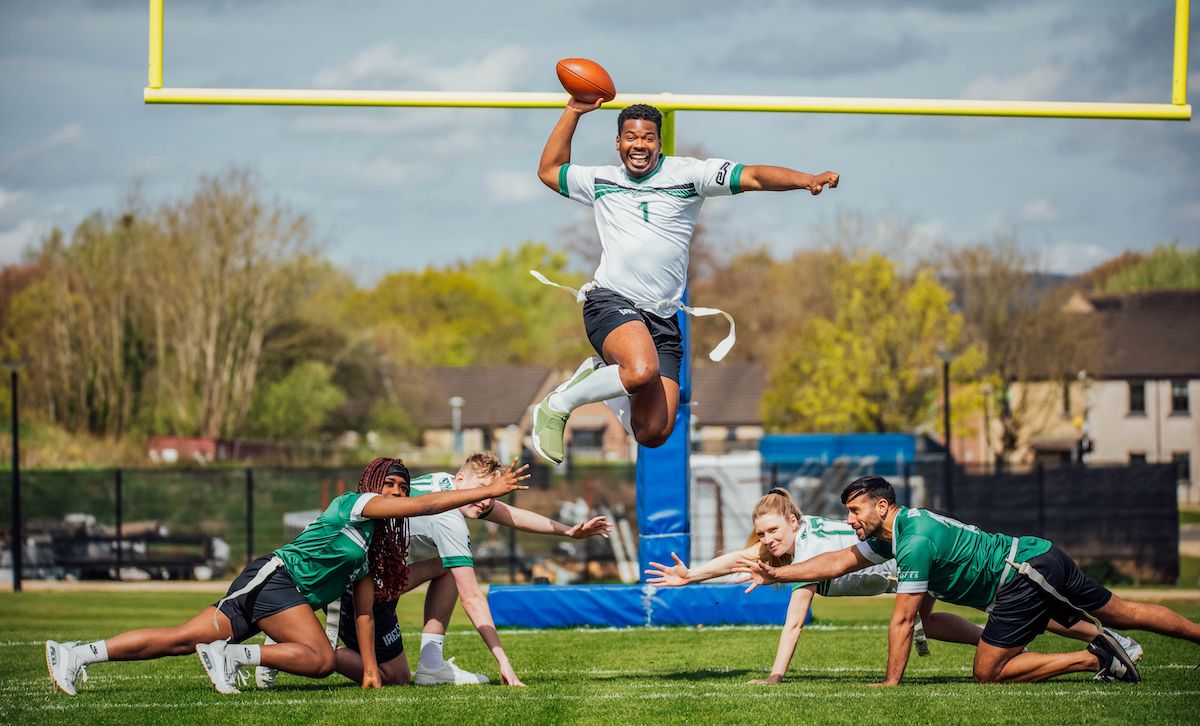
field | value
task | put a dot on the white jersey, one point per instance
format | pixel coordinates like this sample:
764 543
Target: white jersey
646 223
818 535
446 532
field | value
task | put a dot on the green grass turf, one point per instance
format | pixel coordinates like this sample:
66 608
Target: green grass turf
579 676
1189 516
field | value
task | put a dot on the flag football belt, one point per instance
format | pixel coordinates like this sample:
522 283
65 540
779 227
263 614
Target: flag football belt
333 621
714 355
259 579
1036 578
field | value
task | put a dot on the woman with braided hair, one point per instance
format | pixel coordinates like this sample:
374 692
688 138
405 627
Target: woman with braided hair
358 541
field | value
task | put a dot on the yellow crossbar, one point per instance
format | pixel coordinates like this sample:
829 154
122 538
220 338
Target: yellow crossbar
1177 110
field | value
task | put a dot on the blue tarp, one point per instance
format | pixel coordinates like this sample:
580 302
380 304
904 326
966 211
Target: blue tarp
796 450
563 606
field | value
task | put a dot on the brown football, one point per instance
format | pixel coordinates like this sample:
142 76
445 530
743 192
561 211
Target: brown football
585 80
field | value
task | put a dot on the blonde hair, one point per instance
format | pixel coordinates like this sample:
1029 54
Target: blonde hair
483 464
777 501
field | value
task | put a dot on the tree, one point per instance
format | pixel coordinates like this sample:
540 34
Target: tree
873 365
1166 267
1015 316
296 405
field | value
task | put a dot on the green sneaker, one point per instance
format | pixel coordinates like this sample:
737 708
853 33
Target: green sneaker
547 424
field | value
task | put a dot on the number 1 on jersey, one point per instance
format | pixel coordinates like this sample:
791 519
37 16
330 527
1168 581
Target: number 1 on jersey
645 207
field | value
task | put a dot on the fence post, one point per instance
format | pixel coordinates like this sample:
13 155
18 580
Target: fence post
1041 495
249 515
906 468
118 515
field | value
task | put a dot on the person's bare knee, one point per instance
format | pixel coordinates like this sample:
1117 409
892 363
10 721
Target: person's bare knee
395 672
638 374
324 662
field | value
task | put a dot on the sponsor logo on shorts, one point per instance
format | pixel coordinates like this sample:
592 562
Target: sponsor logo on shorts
392 635
627 311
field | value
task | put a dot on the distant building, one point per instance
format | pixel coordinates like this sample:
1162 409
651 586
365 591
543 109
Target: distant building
726 406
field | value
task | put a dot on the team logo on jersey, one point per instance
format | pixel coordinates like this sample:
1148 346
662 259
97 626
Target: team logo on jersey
909 575
722 172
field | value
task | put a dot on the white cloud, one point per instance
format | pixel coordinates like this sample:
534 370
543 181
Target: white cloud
14 241
1071 258
1040 210
513 186
69 135
383 66
1039 84
7 197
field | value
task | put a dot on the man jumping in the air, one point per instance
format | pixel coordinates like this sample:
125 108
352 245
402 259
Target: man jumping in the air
646 209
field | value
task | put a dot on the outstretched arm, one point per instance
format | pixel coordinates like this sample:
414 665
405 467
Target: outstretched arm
796 613
821 567
900 635
680 574
528 521
558 146
475 604
387 507
781 179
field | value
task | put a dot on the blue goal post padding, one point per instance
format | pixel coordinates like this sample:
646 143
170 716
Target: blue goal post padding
623 606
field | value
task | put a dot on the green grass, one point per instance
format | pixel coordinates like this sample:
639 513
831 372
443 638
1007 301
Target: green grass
580 676
1189 516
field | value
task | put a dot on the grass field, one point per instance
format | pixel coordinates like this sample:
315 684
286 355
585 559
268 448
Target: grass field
582 676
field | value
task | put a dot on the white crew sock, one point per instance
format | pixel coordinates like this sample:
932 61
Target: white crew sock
247 655
624 411
92 652
431 650
602 385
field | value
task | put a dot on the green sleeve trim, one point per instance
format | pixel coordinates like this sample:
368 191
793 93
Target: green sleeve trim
562 180
457 561
735 180
797 585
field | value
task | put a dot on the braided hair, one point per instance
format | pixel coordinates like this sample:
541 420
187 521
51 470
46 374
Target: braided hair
388 554
777 501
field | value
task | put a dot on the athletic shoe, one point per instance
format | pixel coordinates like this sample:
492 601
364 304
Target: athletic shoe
221 669
1131 647
448 673
66 668
547 424
264 676
1115 663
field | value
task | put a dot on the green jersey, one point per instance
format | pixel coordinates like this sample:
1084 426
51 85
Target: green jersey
331 553
955 562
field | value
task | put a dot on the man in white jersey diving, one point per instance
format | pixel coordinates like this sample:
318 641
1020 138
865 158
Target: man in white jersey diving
645 209
1022 583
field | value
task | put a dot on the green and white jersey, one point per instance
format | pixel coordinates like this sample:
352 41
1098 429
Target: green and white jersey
646 223
955 562
818 535
446 532
331 553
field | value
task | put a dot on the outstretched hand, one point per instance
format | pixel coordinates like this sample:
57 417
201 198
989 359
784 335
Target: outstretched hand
510 479
760 572
663 576
594 527
820 181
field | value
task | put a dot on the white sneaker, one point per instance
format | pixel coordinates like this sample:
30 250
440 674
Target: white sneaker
66 668
448 673
1132 648
264 676
221 669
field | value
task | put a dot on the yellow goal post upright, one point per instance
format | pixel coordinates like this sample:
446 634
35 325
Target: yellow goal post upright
662 473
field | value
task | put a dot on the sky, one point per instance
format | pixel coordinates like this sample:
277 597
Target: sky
392 189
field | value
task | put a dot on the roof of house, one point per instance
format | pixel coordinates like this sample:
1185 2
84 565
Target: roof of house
493 396
728 394
1150 334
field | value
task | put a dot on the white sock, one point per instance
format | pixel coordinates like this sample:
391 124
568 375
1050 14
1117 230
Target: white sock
602 385
248 655
431 650
624 411
92 652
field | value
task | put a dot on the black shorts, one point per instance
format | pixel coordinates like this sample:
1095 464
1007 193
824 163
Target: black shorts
274 596
1022 608
388 642
606 310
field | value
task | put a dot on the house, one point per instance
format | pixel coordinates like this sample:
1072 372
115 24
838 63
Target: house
1142 399
492 406
726 410
1137 402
